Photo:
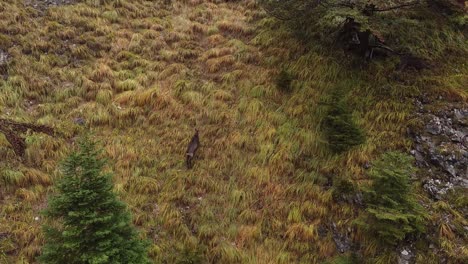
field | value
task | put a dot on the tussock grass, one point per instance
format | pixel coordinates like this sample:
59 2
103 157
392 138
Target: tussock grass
12 178
127 85
216 39
223 95
217 52
10 96
112 16
142 185
233 27
102 73
175 68
221 63
104 96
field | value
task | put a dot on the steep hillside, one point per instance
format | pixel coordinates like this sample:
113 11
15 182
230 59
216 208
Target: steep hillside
140 76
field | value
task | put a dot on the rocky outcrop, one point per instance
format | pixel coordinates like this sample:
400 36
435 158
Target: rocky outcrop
441 148
44 4
3 57
406 256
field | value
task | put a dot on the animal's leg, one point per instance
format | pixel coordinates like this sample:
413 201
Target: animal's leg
189 160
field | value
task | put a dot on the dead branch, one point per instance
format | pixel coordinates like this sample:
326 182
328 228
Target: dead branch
398 6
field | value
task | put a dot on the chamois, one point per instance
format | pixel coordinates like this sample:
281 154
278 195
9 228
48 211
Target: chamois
192 149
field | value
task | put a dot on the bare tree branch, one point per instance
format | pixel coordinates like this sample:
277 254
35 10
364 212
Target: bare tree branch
398 6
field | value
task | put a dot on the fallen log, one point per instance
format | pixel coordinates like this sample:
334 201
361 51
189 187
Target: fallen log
13 130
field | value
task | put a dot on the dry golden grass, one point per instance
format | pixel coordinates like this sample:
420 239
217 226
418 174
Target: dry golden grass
142 75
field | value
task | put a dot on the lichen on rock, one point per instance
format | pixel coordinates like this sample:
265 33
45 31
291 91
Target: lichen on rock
44 4
441 148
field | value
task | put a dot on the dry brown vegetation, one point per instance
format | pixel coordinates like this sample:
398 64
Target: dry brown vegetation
142 75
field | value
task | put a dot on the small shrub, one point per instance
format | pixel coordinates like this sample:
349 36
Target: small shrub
392 210
342 188
284 81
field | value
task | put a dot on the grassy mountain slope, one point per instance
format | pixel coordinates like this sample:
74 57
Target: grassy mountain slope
142 75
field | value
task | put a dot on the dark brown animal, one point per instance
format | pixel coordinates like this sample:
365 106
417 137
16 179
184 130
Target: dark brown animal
192 149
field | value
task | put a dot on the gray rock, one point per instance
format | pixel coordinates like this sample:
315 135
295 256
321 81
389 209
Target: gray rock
465 153
450 169
441 147
43 5
79 121
434 127
419 105
358 199
342 241
367 165
457 114
3 57
405 256
460 116
420 161
433 189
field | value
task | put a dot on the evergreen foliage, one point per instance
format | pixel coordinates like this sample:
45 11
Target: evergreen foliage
94 226
311 19
392 210
341 130
388 21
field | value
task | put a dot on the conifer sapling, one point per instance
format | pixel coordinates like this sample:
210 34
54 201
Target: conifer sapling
87 223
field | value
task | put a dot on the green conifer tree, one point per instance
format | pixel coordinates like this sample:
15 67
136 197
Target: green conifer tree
392 210
341 130
88 223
